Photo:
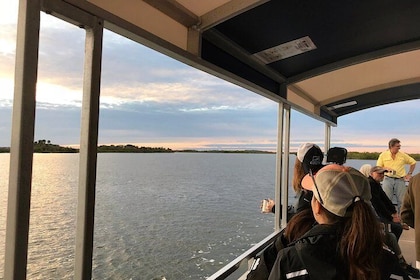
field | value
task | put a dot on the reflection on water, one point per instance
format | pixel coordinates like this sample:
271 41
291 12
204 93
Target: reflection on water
179 216
53 206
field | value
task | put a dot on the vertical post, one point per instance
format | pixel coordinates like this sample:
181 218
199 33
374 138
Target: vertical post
21 149
88 152
279 165
327 137
285 170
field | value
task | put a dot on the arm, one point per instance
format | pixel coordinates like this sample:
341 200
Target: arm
412 167
383 206
410 172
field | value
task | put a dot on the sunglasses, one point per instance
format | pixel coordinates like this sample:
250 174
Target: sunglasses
316 187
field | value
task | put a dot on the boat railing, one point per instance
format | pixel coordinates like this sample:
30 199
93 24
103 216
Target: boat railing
231 267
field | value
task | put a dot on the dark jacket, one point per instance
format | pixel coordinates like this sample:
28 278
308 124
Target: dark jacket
380 201
260 269
263 263
315 256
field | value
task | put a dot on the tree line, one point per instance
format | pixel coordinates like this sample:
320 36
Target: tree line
131 149
45 146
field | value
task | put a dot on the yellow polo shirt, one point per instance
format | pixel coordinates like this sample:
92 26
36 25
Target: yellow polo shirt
397 164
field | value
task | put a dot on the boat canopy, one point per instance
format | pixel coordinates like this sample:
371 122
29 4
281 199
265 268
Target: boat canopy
324 58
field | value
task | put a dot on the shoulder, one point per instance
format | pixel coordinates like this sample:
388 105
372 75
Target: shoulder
406 156
288 262
386 153
321 241
389 265
371 180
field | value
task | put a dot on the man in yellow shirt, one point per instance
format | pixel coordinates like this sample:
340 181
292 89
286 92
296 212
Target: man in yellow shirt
394 161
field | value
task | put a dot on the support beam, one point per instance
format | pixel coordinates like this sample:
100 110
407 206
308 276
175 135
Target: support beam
279 165
227 11
21 150
88 152
176 11
327 137
285 169
194 42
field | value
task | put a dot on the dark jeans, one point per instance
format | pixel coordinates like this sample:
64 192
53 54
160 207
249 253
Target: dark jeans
395 228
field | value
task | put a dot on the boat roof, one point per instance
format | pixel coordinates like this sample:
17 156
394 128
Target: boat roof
324 58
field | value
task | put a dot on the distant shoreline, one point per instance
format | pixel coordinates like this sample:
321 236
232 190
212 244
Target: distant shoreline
45 146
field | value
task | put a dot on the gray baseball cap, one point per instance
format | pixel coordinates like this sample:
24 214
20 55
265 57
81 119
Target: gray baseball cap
337 187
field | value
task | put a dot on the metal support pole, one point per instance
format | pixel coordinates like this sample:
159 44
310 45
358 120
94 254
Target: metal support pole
88 152
327 137
22 142
285 169
279 165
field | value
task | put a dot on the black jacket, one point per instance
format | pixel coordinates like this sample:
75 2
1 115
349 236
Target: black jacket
380 201
315 256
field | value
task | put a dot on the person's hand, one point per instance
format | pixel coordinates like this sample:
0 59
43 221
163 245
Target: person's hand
396 218
269 204
407 177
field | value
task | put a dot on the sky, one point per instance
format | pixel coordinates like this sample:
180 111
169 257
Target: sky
149 99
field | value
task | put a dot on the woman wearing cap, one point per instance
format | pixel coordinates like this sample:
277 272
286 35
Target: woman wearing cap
344 244
308 157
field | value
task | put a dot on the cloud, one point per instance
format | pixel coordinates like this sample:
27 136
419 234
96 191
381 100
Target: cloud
370 130
149 98
8 12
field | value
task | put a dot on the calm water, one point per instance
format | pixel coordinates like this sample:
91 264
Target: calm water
178 216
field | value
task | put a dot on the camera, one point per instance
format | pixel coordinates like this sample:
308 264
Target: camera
391 172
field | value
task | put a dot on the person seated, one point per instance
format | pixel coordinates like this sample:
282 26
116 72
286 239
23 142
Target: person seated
297 226
382 204
388 215
344 244
391 241
365 169
308 157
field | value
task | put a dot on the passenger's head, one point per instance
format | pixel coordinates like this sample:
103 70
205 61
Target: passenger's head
308 156
365 169
394 143
342 197
377 173
311 157
337 188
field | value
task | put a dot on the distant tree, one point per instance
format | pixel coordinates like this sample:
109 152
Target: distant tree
129 148
4 150
44 146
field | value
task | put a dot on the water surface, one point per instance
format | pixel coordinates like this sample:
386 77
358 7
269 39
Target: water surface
177 215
